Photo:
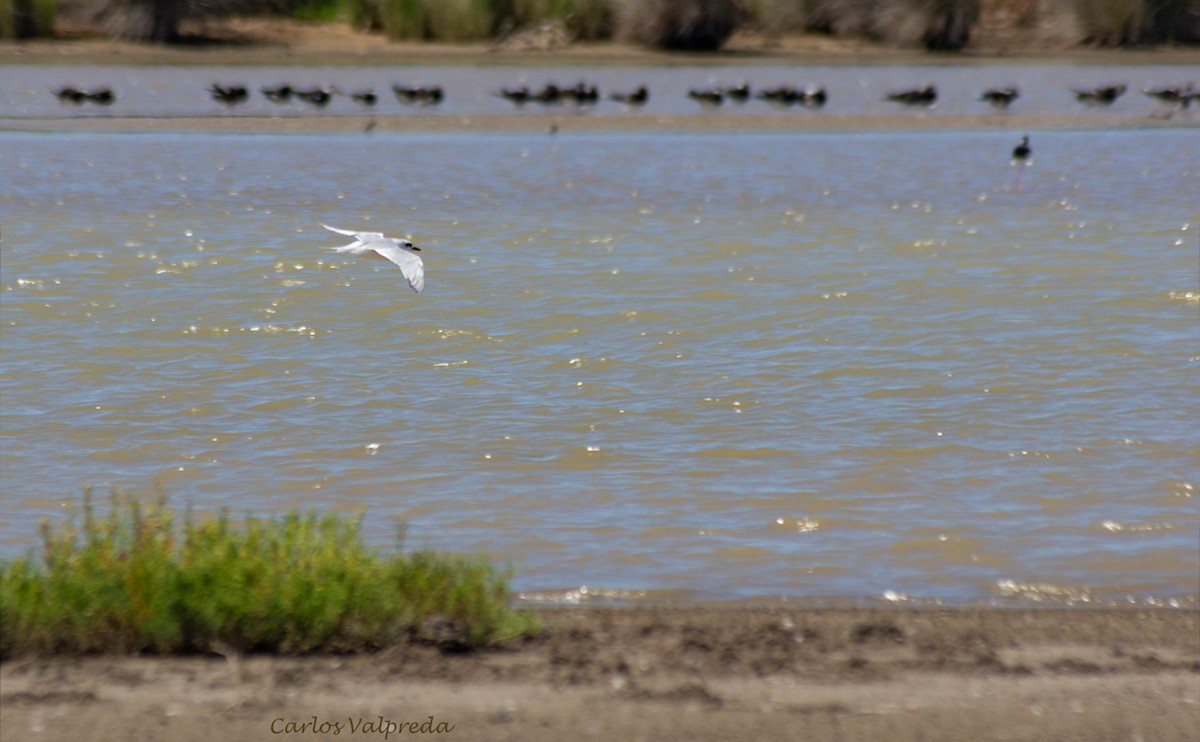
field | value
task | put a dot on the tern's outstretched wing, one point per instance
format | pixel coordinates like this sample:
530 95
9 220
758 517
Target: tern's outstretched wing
410 265
360 236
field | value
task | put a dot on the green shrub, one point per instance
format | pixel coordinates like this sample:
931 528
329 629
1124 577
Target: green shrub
435 20
314 10
7 28
133 581
366 14
26 19
477 20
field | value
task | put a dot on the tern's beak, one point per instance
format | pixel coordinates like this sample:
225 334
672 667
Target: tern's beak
414 247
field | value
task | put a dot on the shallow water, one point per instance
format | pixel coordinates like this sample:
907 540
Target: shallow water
854 90
728 366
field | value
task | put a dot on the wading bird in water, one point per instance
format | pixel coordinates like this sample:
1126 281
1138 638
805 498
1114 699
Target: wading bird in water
375 245
1022 155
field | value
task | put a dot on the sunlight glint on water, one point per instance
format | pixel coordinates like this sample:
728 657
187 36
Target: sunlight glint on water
728 365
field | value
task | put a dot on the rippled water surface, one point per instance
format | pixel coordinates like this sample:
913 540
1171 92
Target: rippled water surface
714 365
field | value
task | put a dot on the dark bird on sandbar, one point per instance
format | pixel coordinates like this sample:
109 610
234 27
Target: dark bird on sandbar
739 93
707 96
784 95
925 96
406 93
516 96
814 97
1101 96
364 97
1180 95
279 93
549 94
319 97
430 95
1000 97
71 95
103 96
230 95
581 93
426 95
636 98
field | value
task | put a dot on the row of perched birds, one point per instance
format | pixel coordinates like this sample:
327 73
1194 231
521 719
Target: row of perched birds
1180 95
78 96
585 94
787 95
232 95
817 96
1104 95
927 95
582 93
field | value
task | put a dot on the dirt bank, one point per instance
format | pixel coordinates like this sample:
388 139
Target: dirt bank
673 673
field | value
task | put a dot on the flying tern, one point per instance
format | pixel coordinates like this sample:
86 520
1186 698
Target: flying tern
374 244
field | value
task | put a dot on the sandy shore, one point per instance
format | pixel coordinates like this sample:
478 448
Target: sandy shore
699 672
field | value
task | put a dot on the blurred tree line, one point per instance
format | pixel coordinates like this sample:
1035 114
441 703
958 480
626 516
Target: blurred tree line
940 25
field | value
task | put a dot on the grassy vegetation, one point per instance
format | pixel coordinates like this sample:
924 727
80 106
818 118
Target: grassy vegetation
441 20
479 20
22 19
940 25
133 581
317 10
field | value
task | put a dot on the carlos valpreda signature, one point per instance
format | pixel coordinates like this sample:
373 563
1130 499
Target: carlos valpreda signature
380 726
